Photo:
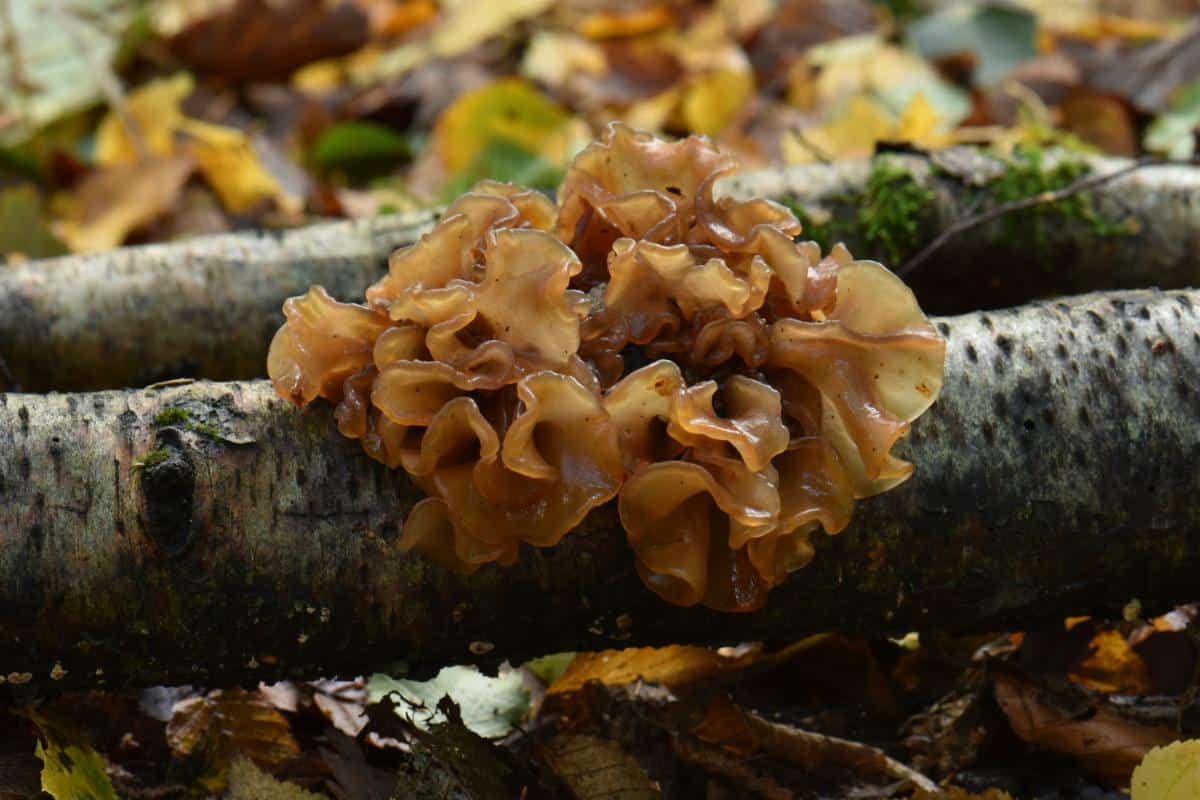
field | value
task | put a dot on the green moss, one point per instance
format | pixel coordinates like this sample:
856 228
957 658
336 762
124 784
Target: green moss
206 430
171 416
1025 175
152 458
889 216
894 211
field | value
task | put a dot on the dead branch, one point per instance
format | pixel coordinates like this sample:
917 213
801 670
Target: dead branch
1056 476
207 307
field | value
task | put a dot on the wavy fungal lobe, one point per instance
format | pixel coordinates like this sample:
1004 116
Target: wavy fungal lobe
527 361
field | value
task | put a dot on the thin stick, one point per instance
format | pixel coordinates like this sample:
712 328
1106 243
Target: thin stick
1045 198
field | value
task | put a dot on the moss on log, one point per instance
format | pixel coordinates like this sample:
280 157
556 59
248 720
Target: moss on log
210 533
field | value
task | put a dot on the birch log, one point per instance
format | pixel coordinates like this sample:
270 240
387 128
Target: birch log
207 307
1055 476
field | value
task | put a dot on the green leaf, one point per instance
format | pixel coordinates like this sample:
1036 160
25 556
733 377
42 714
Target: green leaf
350 144
491 707
999 36
503 160
1173 132
71 769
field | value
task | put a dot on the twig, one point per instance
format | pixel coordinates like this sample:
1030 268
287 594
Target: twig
1044 198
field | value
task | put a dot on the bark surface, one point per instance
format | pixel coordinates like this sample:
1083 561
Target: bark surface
1056 476
208 307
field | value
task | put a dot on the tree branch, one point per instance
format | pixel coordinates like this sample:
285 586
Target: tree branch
207 307
1055 476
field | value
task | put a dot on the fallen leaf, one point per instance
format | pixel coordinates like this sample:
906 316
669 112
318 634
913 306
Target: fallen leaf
248 782
232 722
226 156
24 231
618 20
1103 741
1169 773
257 40
353 777
63 54
342 703
1112 667
508 110
595 768
711 101
357 142
673 667
1173 133
490 707
468 23
233 168
153 112
999 37
1101 120
71 769
114 201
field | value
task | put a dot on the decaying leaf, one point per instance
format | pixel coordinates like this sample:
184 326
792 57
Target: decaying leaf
490 707
113 202
257 40
1169 773
673 667
1113 667
229 722
595 768
1103 741
24 232
71 769
248 782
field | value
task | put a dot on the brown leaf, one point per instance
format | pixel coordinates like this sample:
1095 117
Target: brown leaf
260 41
233 721
1103 741
595 768
1100 120
673 667
114 201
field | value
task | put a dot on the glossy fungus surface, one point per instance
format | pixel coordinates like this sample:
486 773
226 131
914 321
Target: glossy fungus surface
526 362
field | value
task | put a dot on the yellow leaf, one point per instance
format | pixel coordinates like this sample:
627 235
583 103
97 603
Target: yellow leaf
113 202
509 110
612 23
652 113
1169 773
233 169
470 23
1113 666
711 101
672 666
154 111
919 124
71 769
850 133
552 58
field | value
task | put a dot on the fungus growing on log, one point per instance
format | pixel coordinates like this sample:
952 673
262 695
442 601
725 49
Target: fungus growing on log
526 363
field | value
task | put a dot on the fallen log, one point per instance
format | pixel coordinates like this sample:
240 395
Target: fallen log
207 307
236 538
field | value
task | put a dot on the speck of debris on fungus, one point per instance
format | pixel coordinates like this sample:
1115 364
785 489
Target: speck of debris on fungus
641 339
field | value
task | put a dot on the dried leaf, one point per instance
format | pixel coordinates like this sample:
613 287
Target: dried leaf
1112 666
232 722
672 667
113 202
1169 773
154 113
595 768
342 703
257 40
470 23
711 101
1103 741
248 782
232 167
